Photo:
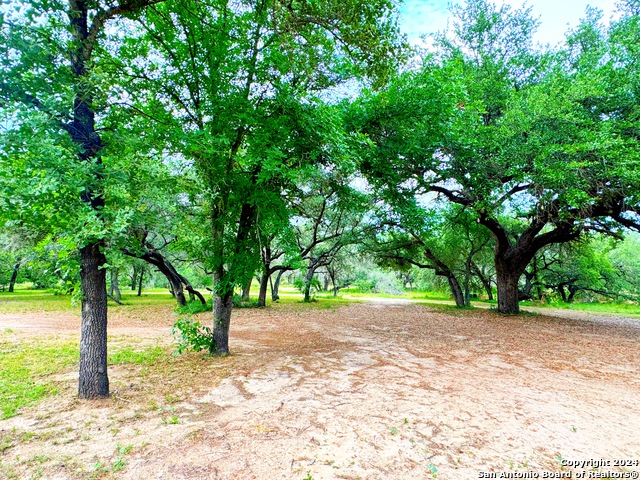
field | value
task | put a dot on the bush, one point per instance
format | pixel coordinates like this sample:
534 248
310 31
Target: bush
190 335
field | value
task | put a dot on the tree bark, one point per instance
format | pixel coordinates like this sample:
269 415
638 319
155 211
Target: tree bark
14 276
93 379
467 280
114 288
222 307
276 287
562 292
486 283
140 282
456 291
442 269
264 283
134 278
308 278
507 277
176 281
246 290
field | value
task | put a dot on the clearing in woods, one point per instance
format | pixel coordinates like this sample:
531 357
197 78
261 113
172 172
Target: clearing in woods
363 391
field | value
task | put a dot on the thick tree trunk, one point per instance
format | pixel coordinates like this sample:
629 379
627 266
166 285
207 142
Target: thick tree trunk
276 287
14 276
507 277
264 283
93 380
140 282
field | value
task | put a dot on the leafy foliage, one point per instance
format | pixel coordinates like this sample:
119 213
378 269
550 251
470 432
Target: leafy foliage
191 335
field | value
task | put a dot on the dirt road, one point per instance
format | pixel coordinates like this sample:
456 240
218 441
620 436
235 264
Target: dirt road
367 391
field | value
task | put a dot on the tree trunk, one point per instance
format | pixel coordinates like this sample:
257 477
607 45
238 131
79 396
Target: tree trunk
222 306
456 291
443 270
246 290
140 282
134 278
114 289
507 277
308 278
175 287
326 282
14 276
276 286
467 281
486 283
264 283
562 292
93 380
176 281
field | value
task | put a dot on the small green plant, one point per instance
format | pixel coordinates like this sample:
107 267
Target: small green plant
99 470
308 477
172 420
5 443
434 471
190 335
119 463
394 431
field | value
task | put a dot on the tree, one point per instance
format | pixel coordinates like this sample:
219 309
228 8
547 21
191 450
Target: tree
541 147
586 268
52 84
445 240
329 218
231 88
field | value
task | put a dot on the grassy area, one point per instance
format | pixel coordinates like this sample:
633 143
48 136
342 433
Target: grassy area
27 365
29 301
607 308
24 368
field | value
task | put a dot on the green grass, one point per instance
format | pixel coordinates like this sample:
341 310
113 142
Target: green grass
24 367
128 355
30 301
318 302
609 308
410 294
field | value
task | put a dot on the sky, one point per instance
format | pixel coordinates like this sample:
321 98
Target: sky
556 16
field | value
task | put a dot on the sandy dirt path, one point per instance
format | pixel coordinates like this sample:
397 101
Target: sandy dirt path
377 391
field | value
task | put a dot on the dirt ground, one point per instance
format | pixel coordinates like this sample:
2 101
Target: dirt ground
366 391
